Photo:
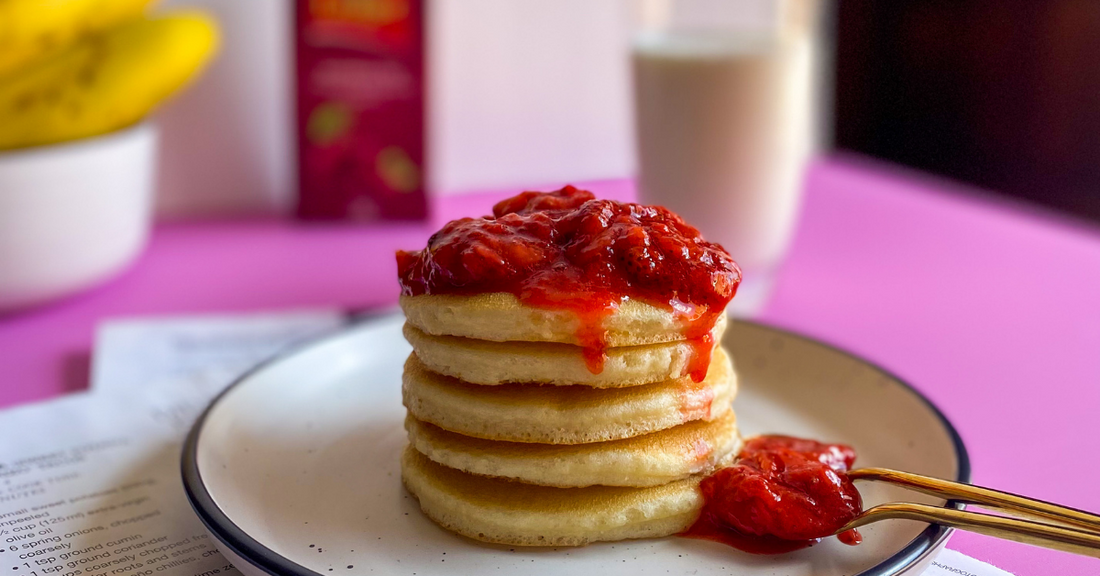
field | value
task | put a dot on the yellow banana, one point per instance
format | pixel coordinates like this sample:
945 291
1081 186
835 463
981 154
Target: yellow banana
30 29
104 82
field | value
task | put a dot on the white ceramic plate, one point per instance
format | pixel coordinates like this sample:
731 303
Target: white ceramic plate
294 468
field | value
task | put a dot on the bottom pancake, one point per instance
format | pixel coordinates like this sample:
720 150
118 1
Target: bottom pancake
675 454
506 512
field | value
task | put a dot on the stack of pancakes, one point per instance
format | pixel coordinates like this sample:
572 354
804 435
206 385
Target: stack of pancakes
514 439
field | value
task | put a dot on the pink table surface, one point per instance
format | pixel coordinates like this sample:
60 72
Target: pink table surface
991 310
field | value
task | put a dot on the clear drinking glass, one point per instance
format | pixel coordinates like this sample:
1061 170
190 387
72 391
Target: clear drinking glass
727 114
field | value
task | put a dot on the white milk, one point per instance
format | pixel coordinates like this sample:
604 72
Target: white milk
725 125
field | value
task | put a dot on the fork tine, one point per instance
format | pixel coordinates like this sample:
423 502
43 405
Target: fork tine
1017 530
985 497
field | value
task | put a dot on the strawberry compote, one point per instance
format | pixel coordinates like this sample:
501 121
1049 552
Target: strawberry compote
782 494
568 250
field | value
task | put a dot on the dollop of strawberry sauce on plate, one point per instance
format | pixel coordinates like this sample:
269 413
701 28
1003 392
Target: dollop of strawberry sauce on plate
781 495
568 250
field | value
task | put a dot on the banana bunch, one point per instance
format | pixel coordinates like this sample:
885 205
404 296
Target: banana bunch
76 68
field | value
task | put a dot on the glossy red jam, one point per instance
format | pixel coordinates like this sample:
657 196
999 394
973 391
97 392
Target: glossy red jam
783 494
568 250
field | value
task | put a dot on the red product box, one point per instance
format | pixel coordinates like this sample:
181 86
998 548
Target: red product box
360 109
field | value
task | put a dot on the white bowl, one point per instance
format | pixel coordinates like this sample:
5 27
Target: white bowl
73 214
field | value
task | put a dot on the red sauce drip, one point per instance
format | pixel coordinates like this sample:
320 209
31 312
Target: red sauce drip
592 337
700 451
699 336
696 401
568 250
701 350
782 494
850 537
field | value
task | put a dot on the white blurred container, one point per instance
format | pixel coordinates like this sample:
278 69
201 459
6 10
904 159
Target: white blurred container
73 214
728 114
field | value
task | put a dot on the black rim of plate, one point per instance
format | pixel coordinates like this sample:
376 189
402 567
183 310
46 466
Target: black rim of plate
262 557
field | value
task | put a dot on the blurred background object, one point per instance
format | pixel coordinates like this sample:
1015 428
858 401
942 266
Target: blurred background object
518 94
77 78
361 92
1004 94
73 214
536 94
227 143
531 93
32 29
103 80
727 99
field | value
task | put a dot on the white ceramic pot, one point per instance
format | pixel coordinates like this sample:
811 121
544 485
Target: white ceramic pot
73 214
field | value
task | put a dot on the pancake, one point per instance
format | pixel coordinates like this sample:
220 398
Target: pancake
675 454
499 317
565 414
513 513
492 363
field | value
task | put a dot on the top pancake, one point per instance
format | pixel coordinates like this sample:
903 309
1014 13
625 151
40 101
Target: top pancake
500 317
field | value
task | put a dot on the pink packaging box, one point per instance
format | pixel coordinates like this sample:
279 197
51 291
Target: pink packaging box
360 109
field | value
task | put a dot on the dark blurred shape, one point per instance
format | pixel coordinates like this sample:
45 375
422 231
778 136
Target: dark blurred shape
1004 94
76 372
360 91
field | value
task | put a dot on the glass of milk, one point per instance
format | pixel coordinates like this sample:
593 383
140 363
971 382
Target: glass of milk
726 106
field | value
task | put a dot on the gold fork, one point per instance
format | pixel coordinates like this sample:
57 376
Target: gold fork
1072 530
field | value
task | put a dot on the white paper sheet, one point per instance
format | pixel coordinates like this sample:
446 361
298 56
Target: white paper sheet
952 563
89 483
198 351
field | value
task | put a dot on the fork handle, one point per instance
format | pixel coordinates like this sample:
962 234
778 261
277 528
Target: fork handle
980 496
1023 531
